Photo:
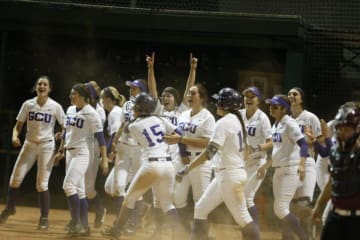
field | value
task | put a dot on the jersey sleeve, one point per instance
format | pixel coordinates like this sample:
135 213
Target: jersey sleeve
95 122
170 128
315 125
60 115
294 131
23 113
219 134
266 127
114 121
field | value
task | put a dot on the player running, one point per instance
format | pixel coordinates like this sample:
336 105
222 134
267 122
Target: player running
40 115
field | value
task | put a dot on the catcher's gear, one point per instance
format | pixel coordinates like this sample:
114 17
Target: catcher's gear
145 104
228 99
348 114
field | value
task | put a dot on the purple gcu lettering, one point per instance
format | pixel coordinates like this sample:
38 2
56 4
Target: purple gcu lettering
73 121
276 137
188 127
251 131
173 120
40 117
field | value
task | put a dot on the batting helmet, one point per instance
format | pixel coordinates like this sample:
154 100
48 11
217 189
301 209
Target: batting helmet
145 104
348 114
228 99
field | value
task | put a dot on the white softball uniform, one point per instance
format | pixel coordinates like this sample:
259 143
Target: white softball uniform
230 175
39 143
201 124
94 159
157 170
128 157
258 128
285 160
80 126
307 186
173 118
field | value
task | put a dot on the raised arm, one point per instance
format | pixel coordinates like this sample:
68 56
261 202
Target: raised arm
191 78
150 60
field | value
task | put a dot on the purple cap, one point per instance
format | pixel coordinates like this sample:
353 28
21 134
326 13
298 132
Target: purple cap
277 100
138 83
254 90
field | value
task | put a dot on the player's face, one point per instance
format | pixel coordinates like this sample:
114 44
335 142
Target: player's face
193 97
344 132
168 100
42 87
220 111
134 91
294 97
106 102
76 99
276 111
251 101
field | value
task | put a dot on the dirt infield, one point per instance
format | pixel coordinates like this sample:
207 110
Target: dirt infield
23 226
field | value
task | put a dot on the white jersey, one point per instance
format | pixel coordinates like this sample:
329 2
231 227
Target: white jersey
201 124
114 117
229 136
308 119
40 120
171 115
127 117
285 134
149 132
101 113
81 126
258 129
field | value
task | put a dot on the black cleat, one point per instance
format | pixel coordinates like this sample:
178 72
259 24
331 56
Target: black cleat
111 233
5 215
43 223
100 219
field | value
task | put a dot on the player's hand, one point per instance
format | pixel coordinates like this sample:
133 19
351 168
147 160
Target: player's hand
326 131
301 172
111 157
59 155
16 142
58 136
183 172
172 139
253 149
185 160
261 172
193 61
315 215
150 60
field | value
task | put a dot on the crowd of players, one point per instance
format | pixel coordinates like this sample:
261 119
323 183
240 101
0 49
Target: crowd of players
170 145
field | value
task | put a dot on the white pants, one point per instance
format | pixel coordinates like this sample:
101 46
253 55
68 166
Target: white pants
31 152
307 186
227 187
253 183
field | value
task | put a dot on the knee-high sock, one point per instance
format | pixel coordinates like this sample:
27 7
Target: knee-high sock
251 231
74 207
199 230
44 202
97 204
290 221
254 214
84 212
118 201
11 198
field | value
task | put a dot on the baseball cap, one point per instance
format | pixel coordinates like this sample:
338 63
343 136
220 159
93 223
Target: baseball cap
254 90
277 100
137 83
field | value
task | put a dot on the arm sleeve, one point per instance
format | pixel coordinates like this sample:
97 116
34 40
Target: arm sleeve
100 137
303 147
323 151
109 144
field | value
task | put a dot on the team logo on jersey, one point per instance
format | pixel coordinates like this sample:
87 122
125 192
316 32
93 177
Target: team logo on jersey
187 126
74 121
276 137
40 117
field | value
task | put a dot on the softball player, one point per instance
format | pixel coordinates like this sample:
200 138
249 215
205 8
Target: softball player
198 125
343 186
157 171
92 196
40 114
258 128
82 124
304 194
169 107
288 158
128 155
229 140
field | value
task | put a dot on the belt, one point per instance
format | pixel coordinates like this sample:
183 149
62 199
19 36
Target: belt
69 149
291 165
39 142
160 159
192 153
344 212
